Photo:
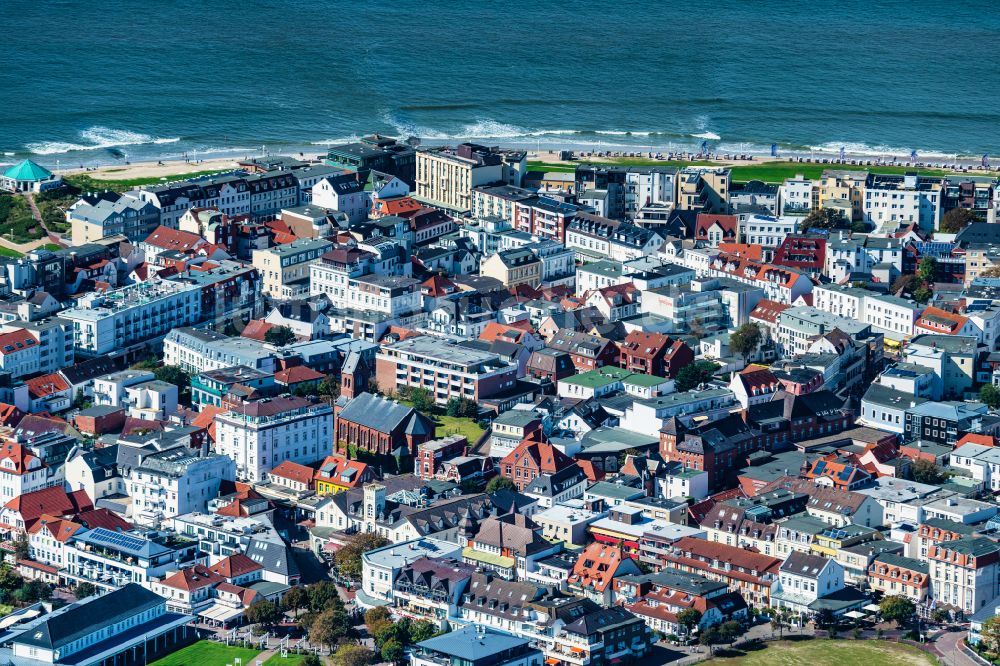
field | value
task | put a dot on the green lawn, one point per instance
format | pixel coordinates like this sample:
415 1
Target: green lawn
207 653
7 252
451 425
88 182
290 660
769 172
822 652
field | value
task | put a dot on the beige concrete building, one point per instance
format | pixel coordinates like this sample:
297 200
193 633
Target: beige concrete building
284 269
835 186
703 189
514 267
446 176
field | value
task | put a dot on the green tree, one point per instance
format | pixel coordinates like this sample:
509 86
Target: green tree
905 284
392 652
926 471
990 635
84 590
623 456
689 618
823 218
922 294
279 336
313 660
500 483
693 374
329 388
375 616
778 622
957 219
421 630
989 395
421 399
462 408
941 616
295 600
22 550
353 655
323 595
898 609
927 269
729 631
711 638
745 339
262 612
348 558
330 627
175 375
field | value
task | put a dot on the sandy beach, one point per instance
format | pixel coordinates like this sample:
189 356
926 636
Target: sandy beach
170 169
176 169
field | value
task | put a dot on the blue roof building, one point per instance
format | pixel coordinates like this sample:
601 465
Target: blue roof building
476 645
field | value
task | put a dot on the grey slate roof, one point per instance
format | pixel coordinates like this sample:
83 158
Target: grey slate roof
62 628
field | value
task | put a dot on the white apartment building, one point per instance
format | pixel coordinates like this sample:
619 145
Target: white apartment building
115 320
19 353
964 572
804 578
111 389
795 196
284 269
174 482
380 567
893 201
891 316
196 350
982 463
388 294
267 432
764 230
47 540
22 472
343 193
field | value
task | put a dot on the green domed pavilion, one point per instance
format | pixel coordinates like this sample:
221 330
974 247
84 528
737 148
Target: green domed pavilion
27 176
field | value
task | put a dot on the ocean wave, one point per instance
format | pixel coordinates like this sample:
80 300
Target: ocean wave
98 137
711 136
855 148
335 142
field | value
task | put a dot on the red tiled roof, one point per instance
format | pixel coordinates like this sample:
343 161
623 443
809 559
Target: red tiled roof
495 331
133 424
193 578
235 565
340 465
54 501
727 223
256 329
46 385
174 239
105 518
755 252
768 310
10 415
297 374
596 566
293 471
59 529
941 321
15 341
19 456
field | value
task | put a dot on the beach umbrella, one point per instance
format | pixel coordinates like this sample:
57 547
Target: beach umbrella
774 150
704 147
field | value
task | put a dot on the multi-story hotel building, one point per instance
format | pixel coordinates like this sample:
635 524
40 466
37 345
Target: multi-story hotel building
444 368
284 269
446 176
115 320
263 434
